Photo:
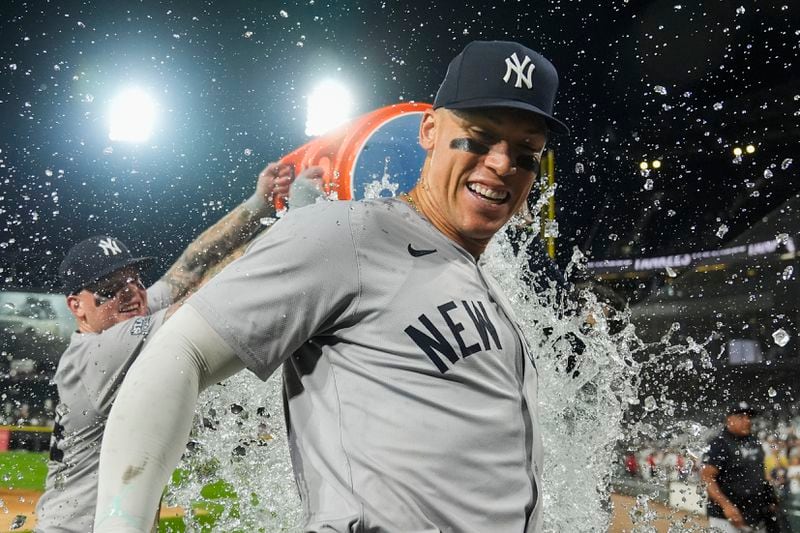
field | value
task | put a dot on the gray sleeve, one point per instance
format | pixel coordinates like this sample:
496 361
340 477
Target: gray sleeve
298 280
110 355
159 296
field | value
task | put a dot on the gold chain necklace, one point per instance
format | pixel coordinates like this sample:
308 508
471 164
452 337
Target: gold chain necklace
411 202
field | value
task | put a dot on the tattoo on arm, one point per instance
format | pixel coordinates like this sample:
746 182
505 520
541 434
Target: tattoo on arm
210 249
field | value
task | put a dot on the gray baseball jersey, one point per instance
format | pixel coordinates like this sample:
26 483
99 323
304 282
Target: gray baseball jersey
88 375
411 393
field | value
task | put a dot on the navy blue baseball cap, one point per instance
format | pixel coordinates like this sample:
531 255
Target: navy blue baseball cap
501 74
93 259
742 408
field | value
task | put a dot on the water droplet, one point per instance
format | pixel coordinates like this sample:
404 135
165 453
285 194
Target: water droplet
81 24
613 237
650 404
12 66
248 151
717 106
18 522
108 150
284 14
579 168
579 150
782 238
268 221
671 213
551 229
786 163
89 98
767 174
48 172
722 230
780 337
660 89
10 306
648 185
772 392
670 272
248 34
787 273
62 409
740 10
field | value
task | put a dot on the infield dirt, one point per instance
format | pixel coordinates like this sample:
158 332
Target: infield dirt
23 502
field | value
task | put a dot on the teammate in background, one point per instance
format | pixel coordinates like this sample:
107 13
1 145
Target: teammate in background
410 391
739 496
115 315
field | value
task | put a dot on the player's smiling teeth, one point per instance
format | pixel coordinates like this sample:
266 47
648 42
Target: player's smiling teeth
486 192
129 308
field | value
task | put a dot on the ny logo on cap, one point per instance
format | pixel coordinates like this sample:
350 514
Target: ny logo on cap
109 246
513 65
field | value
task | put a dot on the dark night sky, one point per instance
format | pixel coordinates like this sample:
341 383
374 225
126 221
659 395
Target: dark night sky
223 90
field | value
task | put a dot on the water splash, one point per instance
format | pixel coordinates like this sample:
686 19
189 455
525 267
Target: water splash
239 441
582 393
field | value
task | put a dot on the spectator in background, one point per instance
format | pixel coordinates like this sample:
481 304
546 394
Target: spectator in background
793 475
631 465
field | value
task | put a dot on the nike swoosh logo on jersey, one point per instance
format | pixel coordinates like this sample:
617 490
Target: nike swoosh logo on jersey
419 253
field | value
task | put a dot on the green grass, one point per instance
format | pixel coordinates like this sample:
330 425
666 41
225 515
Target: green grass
23 470
28 470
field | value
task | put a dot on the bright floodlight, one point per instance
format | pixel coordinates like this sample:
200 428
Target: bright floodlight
656 163
749 148
643 165
329 105
132 116
737 151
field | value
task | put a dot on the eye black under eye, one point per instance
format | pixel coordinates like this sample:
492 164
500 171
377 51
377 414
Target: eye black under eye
466 144
529 163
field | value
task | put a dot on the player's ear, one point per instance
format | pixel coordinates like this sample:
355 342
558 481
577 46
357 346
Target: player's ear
427 129
75 306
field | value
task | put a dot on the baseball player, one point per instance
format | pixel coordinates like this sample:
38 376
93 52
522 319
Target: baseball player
115 316
409 388
739 495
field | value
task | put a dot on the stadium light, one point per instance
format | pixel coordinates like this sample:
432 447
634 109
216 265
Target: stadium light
737 151
749 148
643 165
329 105
132 116
656 164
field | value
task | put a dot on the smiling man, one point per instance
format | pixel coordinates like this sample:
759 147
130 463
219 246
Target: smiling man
114 315
409 388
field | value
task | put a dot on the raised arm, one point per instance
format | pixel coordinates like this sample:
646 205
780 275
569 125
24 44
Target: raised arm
230 232
157 399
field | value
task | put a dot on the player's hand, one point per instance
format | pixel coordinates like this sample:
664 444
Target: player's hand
733 515
274 182
314 175
307 188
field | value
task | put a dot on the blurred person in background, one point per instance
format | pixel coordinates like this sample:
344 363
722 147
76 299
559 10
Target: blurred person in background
115 315
739 496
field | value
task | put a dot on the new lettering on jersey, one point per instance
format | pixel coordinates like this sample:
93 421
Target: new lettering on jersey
434 341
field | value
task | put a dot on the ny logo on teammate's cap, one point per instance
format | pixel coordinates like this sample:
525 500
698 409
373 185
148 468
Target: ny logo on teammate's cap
109 246
513 65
